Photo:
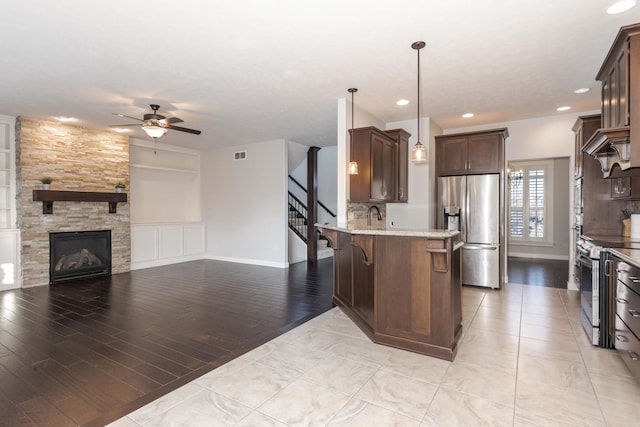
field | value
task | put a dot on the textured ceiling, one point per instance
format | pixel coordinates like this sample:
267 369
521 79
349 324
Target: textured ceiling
249 70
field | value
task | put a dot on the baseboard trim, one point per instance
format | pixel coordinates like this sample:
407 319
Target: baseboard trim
248 261
539 256
166 261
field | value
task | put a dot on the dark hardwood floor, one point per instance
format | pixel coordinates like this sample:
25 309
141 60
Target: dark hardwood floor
89 351
538 272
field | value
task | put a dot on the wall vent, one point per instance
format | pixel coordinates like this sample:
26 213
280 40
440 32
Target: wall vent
240 155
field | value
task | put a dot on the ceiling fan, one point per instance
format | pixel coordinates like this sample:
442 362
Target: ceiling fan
156 125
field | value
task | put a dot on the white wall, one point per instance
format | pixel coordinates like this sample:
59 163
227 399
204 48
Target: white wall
417 212
245 204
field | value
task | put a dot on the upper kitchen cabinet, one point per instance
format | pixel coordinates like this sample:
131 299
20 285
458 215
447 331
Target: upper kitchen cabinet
401 160
470 153
584 128
374 152
616 145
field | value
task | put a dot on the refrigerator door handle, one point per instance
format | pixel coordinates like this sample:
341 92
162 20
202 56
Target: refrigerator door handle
480 247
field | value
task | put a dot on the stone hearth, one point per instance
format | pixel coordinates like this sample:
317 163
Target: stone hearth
77 159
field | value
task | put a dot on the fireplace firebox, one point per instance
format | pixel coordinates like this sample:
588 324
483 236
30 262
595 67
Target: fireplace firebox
78 254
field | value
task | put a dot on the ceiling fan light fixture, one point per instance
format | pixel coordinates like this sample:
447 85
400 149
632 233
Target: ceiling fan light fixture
419 152
154 131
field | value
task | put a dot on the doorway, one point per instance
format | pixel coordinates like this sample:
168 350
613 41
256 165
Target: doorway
538 221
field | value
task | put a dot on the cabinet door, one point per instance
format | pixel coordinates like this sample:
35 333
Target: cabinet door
621 112
578 171
382 169
402 163
360 185
363 285
451 156
485 154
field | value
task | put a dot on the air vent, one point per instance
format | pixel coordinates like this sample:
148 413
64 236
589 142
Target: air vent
240 155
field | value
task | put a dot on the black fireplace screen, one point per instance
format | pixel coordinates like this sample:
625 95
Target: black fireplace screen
78 254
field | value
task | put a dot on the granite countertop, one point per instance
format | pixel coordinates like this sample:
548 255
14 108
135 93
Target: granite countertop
380 228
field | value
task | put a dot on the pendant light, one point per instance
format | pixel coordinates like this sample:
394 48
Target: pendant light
352 169
418 153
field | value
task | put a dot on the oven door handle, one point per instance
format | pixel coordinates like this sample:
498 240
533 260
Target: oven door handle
607 267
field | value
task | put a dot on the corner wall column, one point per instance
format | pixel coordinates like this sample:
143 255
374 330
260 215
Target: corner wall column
312 203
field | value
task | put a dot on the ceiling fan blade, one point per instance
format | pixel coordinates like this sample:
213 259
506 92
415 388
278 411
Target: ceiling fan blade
170 120
120 126
193 131
128 117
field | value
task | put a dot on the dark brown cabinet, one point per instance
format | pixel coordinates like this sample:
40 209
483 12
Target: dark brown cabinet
584 128
616 145
615 88
403 291
363 279
625 313
374 152
401 161
470 153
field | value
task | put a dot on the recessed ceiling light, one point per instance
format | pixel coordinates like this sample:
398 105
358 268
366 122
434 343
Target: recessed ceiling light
620 6
403 102
582 90
66 119
467 115
121 130
565 108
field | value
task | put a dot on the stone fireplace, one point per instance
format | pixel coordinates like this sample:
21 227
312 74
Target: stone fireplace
77 159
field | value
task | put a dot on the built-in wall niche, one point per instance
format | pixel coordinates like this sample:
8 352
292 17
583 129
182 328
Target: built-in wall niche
165 183
7 188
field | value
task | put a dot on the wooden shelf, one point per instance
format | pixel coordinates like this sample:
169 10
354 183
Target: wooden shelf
162 168
47 197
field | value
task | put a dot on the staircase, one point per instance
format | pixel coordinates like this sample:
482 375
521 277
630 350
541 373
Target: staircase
298 224
298 221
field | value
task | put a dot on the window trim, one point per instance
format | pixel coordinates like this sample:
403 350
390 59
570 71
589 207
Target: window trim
526 166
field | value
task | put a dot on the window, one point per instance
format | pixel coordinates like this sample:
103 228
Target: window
530 202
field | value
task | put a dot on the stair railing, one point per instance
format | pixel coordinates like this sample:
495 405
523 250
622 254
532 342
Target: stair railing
298 210
322 205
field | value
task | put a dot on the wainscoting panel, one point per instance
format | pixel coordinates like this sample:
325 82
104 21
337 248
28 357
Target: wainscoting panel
162 244
171 241
9 259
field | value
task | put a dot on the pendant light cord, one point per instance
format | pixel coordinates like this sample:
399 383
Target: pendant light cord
418 95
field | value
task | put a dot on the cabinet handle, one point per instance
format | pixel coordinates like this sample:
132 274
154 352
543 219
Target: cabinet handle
633 355
634 313
622 301
622 338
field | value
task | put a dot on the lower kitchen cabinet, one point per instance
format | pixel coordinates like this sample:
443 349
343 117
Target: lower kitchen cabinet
626 306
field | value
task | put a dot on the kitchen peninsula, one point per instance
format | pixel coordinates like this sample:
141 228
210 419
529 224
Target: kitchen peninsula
400 286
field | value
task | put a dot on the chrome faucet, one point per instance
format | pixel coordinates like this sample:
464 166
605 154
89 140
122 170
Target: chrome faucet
369 214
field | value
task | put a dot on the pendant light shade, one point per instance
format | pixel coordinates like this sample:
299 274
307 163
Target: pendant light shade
418 153
352 168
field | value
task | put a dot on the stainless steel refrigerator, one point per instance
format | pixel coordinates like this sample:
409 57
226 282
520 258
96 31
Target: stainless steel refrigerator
471 204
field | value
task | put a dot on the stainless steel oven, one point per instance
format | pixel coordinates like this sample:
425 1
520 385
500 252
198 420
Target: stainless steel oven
590 258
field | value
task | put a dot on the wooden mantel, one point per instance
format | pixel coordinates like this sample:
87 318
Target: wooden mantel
47 197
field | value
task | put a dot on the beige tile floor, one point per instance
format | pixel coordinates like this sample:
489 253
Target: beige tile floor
523 360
